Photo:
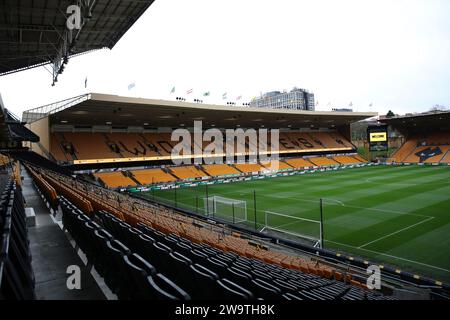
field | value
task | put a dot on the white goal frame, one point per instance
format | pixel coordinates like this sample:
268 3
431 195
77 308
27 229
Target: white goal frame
211 208
317 241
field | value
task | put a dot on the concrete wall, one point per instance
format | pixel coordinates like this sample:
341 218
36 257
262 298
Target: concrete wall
42 129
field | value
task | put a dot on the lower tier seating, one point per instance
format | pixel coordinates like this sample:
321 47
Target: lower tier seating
249 167
16 274
346 160
143 263
298 163
323 161
426 148
114 179
187 172
150 176
215 170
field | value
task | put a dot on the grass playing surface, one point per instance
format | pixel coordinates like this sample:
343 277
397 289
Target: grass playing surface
397 215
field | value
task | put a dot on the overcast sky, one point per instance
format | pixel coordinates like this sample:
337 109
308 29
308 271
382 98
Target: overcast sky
392 53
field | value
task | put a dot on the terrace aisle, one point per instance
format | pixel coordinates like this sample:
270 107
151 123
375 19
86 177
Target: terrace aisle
52 253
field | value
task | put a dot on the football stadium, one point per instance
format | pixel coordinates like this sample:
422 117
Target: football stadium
162 199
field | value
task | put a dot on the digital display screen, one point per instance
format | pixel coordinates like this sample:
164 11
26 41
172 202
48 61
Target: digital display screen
377 137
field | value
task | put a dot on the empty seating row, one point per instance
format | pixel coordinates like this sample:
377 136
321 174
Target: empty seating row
16 274
45 188
424 148
249 167
114 179
187 172
205 272
216 170
126 273
346 160
322 161
150 176
69 146
134 211
276 165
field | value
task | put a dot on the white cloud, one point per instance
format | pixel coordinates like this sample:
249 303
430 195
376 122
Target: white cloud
392 53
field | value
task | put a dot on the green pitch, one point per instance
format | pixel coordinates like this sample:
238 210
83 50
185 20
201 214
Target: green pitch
395 215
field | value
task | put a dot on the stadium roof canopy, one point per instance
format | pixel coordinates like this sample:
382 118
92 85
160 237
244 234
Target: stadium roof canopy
418 123
34 32
100 109
12 130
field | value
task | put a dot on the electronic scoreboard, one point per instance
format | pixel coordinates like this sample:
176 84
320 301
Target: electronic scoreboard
377 137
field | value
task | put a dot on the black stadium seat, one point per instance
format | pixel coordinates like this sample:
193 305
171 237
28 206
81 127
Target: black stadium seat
233 291
163 288
265 290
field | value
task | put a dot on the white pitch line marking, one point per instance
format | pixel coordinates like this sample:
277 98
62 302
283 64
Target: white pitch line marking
393 233
390 256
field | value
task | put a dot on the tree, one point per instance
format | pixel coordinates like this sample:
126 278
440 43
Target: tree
390 114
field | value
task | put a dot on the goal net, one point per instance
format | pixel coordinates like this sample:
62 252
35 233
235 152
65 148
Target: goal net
226 208
308 230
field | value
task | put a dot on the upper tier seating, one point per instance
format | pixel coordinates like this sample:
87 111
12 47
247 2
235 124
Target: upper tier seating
70 146
150 176
219 169
114 179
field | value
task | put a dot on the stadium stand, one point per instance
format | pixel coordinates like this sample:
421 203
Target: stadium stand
346 160
150 176
446 158
16 274
276 165
249 167
148 252
216 170
67 147
359 158
114 179
404 151
430 148
298 163
187 172
323 161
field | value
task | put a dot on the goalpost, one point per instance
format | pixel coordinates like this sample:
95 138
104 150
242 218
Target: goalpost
309 230
229 209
